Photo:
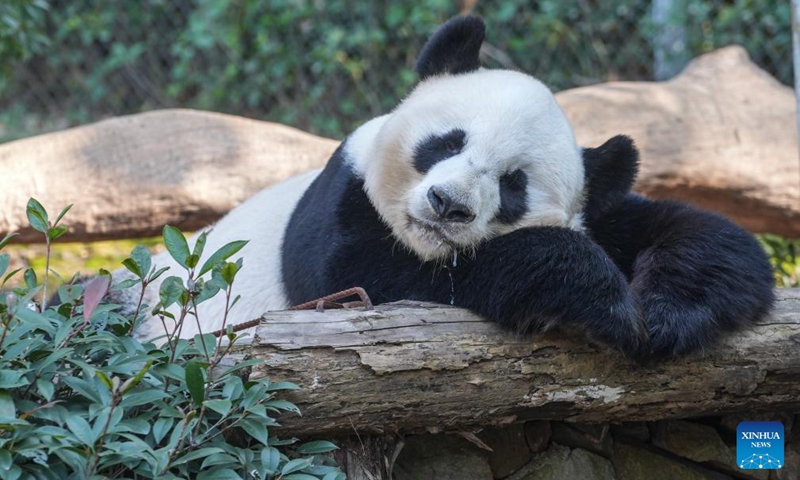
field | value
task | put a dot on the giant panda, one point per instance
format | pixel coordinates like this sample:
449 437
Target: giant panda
473 192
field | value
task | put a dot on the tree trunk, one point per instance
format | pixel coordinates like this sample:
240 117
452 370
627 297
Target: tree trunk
421 367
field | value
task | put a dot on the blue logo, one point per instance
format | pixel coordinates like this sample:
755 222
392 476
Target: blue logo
759 445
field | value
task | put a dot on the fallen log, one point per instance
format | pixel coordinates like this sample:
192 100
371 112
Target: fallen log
422 367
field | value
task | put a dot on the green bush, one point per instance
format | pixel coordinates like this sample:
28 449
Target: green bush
784 254
81 398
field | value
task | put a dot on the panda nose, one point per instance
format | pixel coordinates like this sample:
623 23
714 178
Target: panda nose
446 208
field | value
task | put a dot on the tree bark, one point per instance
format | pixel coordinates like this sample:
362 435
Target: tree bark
420 367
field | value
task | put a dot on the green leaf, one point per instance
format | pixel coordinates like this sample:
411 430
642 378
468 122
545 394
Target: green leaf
282 386
195 382
46 388
282 405
83 387
106 381
200 244
5 460
81 429
318 446
219 459
142 398
11 274
133 381
270 458
37 216
157 273
141 256
10 379
176 245
223 253
228 272
191 260
200 453
161 428
7 239
7 409
132 267
14 473
57 232
219 474
334 476
223 407
209 290
30 278
299 476
5 260
255 430
295 465
63 212
170 291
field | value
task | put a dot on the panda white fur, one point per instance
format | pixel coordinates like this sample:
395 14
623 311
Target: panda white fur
473 192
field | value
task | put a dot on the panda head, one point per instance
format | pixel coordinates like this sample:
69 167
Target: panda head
471 153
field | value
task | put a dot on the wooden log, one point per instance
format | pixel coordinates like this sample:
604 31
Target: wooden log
416 367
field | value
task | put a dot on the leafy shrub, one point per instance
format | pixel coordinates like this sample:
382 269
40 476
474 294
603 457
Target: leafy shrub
81 398
784 254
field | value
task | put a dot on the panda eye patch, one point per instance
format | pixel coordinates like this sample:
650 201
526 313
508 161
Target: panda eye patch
436 148
513 196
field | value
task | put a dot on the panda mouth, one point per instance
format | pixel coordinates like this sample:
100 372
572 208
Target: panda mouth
431 231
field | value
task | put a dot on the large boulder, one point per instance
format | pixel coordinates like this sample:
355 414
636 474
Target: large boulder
128 176
722 134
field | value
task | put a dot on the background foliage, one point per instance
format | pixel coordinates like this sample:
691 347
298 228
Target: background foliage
323 66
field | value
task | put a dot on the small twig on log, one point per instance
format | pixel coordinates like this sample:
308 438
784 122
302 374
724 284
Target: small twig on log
319 304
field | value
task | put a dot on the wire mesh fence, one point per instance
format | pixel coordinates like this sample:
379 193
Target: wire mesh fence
326 65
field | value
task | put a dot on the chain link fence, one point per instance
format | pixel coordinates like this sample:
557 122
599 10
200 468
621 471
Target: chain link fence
326 65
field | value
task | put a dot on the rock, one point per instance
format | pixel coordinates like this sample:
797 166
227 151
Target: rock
744 474
560 463
730 422
537 433
441 457
594 437
694 441
635 430
546 465
128 176
583 464
722 134
636 463
791 470
509 449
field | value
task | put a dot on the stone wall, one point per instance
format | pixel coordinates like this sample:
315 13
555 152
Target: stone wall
696 449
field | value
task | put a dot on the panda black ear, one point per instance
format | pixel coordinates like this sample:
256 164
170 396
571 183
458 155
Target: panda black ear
611 172
453 48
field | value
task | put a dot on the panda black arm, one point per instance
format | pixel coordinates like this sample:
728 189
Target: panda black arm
538 278
694 273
